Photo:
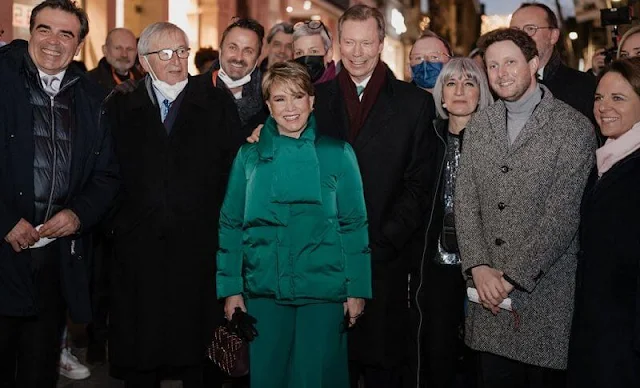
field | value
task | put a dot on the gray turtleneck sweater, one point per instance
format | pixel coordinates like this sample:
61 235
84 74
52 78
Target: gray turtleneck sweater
518 112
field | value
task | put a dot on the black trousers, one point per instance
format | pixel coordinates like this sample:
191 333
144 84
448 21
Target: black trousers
500 372
102 256
194 376
30 346
377 377
443 293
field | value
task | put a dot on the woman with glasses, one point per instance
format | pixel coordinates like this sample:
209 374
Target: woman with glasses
605 339
313 48
294 241
172 136
460 90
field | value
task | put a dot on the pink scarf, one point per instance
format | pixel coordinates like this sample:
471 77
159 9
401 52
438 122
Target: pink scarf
614 150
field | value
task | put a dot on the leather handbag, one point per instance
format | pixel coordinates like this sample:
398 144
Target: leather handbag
229 348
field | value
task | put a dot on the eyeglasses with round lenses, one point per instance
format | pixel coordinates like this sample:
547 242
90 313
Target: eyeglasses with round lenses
167 54
431 57
531 29
314 25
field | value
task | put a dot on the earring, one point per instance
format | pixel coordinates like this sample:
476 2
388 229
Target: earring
444 105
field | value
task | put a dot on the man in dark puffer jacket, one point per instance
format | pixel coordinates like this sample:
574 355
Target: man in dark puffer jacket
56 170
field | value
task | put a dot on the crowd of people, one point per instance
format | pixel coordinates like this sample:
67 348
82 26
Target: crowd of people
475 227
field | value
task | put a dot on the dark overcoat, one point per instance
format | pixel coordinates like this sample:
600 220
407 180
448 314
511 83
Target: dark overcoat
165 228
605 341
395 159
94 182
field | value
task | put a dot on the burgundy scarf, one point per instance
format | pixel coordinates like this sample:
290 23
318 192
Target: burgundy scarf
359 110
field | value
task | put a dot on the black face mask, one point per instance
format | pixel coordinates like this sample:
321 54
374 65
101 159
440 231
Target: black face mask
314 65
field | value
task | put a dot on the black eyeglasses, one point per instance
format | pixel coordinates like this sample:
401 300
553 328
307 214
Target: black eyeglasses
167 54
313 25
531 29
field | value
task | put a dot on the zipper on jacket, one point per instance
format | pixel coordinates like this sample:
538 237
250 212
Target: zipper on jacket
424 252
55 158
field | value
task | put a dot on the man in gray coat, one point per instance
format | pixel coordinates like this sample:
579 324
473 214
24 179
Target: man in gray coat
525 163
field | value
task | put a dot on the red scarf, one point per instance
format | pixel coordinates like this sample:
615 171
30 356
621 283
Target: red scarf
359 110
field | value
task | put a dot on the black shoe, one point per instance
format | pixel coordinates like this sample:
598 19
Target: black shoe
97 353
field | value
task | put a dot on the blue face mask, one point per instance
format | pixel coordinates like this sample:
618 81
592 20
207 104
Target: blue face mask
426 73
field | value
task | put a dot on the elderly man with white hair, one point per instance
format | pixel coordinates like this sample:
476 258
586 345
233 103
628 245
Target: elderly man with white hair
173 139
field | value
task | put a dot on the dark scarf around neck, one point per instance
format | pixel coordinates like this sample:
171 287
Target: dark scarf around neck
359 110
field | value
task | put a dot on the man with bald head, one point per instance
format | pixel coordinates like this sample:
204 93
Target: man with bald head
117 65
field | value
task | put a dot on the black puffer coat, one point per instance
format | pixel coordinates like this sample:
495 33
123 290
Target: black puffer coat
92 179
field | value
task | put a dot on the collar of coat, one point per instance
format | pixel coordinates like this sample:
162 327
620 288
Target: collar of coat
269 139
497 117
552 66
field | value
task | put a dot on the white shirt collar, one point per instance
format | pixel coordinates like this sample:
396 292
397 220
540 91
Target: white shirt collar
60 77
540 73
364 84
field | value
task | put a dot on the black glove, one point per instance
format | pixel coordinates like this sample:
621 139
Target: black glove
242 324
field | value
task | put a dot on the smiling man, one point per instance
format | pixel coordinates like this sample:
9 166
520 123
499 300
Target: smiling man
239 76
173 139
57 180
386 121
522 173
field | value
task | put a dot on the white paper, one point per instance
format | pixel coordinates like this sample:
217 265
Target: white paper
43 240
472 294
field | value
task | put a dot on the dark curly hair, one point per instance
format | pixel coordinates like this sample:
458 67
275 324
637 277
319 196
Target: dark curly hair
518 37
66 6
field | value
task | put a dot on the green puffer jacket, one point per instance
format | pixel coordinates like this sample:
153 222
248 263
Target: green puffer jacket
293 225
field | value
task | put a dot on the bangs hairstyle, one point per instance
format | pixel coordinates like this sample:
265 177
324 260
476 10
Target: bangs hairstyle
628 68
465 68
520 38
292 75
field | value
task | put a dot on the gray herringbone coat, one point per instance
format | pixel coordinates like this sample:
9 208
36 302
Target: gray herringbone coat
517 210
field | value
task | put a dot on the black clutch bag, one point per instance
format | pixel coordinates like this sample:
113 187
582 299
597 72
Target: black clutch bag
229 348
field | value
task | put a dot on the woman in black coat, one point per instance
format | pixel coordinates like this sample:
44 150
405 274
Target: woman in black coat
460 90
605 342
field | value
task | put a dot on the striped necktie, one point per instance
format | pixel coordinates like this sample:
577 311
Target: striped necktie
359 90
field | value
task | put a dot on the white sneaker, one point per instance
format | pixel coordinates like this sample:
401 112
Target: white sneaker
70 367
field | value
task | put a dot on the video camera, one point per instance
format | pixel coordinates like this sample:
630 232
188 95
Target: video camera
615 17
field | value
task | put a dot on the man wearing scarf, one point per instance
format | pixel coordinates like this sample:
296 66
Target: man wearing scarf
173 139
386 121
239 75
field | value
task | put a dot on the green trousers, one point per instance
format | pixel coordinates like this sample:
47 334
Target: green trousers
298 346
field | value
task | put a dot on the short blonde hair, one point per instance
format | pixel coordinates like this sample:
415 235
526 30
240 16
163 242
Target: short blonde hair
631 31
291 74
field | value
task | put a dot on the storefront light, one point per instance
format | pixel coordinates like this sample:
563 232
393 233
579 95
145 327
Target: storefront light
289 9
306 5
316 17
397 21
573 35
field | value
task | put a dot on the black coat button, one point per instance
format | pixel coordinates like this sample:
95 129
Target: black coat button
499 241
504 169
501 205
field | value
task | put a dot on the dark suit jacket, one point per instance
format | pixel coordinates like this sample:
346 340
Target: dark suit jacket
571 86
395 161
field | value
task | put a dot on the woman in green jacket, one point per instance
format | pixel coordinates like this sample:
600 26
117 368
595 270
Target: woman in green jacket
294 242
